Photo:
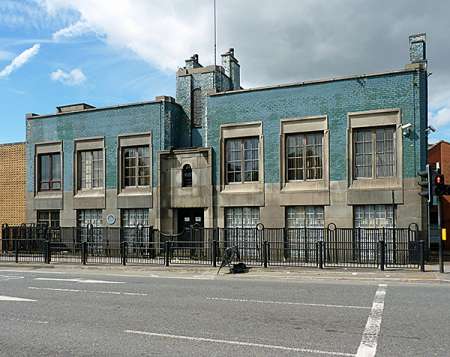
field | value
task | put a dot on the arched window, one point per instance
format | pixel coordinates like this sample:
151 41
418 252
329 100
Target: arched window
186 180
196 108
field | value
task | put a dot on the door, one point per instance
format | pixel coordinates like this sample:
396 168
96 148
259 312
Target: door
188 217
190 224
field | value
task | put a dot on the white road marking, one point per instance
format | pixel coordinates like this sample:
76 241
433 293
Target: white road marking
83 281
28 321
239 343
88 291
32 271
12 298
368 345
10 277
288 303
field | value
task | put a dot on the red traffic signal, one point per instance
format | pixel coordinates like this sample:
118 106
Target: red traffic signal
439 180
439 185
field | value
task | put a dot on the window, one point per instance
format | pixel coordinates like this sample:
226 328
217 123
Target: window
90 169
89 216
197 108
305 216
242 160
374 216
186 176
136 166
86 217
302 241
49 172
246 238
374 152
49 218
304 156
134 217
130 219
241 217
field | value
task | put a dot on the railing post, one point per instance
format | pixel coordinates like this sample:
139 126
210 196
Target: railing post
320 253
305 237
16 250
167 253
5 237
422 255
84 248
214 253
124 252
382 249
265 253
47 251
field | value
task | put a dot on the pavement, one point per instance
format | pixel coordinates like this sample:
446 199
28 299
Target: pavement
64 310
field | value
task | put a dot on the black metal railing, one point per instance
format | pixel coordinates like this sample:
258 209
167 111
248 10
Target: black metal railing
309 247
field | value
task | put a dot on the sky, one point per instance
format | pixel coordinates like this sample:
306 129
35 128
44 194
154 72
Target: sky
108 52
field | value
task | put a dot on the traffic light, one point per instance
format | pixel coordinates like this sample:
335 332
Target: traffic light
426 181
440 188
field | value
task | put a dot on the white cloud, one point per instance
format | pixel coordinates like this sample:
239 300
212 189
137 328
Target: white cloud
275 42
73 78
20 60
5 55
79 28
162 33
441 117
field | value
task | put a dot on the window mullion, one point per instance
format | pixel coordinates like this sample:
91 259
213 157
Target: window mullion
304 156
50 168
374 153
136 167
242 161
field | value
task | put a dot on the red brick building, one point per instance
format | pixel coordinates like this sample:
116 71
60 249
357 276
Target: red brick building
440 152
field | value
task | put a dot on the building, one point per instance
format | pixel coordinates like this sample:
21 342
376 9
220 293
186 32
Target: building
440 152
12 184
341 150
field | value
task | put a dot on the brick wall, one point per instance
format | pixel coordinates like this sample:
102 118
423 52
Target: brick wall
441 153
12 184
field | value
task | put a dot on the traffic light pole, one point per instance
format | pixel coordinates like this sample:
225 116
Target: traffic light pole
441 243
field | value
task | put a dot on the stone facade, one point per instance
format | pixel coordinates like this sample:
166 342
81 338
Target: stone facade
211 108
12 184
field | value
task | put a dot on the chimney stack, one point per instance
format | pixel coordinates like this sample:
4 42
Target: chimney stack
232 68
193 62
417 48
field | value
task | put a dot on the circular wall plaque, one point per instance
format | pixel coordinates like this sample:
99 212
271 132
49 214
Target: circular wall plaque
110 219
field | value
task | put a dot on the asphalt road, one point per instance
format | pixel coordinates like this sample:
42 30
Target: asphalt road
80 313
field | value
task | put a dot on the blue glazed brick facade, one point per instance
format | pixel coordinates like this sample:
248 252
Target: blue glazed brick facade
177 141
335 99
162 119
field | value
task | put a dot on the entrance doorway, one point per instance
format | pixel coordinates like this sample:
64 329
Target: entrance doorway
189 220
189 217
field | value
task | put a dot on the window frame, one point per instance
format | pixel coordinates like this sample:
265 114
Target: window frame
186 181
254 214
138 214
374 152
101 170
49 220
242 159
304 157
371 212
136 167
50 181
317 211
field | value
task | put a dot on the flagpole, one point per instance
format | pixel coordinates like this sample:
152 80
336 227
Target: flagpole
215 34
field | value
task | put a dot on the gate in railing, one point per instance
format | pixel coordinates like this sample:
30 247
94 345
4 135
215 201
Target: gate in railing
310 247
